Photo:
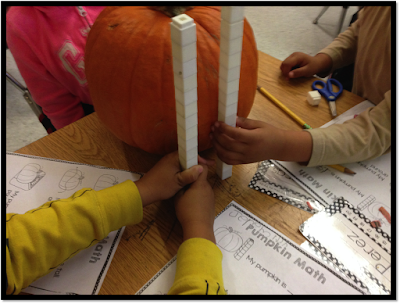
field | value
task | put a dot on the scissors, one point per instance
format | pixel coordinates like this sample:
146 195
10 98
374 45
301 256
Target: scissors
327 92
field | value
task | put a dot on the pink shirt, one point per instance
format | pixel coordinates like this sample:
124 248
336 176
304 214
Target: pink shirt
48 44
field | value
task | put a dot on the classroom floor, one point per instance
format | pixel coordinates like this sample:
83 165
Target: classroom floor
279 31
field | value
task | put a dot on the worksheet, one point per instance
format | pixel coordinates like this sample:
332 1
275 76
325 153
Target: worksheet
32 181
369 190
257 259
271 180
344 236
314 251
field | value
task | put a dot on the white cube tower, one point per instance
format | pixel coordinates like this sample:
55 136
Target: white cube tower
231 41
184 53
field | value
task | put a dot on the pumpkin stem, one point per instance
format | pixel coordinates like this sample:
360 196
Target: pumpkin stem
171 11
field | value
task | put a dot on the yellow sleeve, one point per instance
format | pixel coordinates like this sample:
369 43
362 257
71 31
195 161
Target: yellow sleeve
198 269
43 238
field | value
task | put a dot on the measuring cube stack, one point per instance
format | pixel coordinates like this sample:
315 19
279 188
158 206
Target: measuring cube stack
231 41
183 40
184 53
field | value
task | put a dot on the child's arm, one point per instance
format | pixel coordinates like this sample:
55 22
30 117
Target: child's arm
199 261
365 137
42 239
341 52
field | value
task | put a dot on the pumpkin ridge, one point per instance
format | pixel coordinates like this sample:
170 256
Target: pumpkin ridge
131 121
155 111
200 23
203 30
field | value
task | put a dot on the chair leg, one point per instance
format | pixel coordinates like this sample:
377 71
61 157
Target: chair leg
27 95
35 108
320 14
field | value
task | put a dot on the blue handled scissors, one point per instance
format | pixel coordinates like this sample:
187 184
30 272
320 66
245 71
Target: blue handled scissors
327 92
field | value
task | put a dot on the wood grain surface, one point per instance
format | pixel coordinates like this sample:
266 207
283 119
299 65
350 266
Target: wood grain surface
145 248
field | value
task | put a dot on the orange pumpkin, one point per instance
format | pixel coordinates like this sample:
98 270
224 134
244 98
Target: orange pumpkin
128 64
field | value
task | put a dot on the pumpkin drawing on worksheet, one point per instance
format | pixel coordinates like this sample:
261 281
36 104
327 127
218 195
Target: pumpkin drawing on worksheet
71 179
105 181
228 239
28 177
129 69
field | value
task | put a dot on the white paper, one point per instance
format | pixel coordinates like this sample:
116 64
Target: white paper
311 249
257 259
33 181
368 189
344 236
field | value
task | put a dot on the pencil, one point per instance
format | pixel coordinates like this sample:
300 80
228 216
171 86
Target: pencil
385 214
300 122
342 169
284 108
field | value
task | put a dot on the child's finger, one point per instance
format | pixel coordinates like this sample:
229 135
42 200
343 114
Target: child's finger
288 63
228 157
228 143
190 175
300 72
227 130
238 139
204 161
203 175
248 124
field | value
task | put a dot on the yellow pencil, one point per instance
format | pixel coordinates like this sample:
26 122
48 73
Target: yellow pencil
301 122
284 108
342 169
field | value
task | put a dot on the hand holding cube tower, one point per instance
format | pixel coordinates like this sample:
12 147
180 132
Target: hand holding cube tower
183 36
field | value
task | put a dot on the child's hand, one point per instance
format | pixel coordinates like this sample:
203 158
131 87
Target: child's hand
257 141
254 141
165 179
195 209
307 65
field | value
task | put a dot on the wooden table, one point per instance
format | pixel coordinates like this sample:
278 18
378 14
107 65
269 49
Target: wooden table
137 258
